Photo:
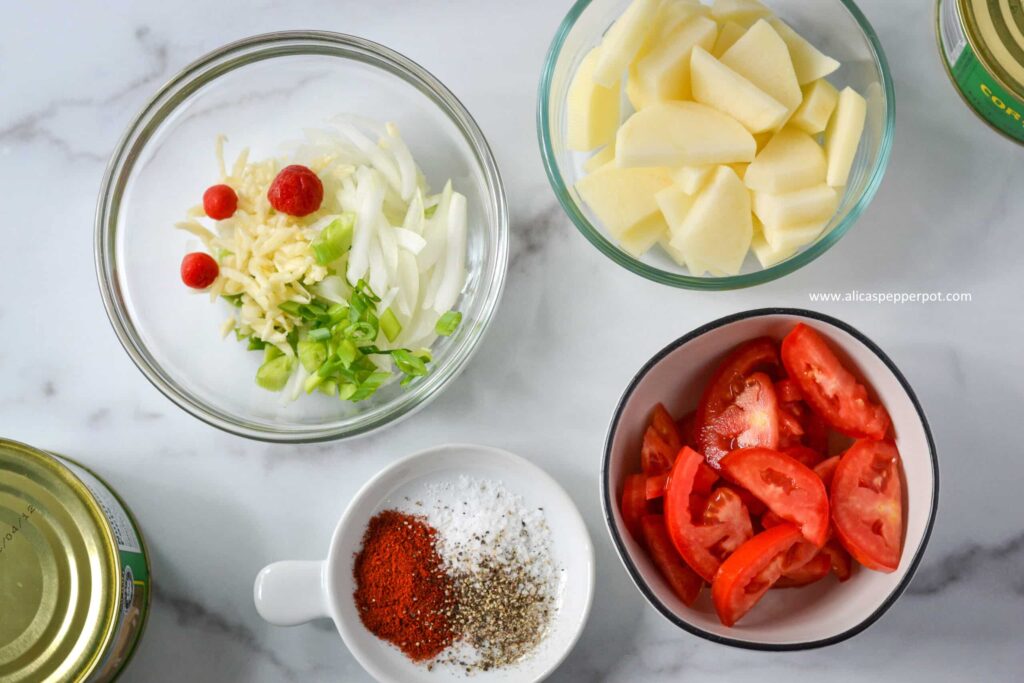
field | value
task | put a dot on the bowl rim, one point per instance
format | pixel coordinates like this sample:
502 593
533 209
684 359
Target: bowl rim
620 546
362 500
208 68
596 236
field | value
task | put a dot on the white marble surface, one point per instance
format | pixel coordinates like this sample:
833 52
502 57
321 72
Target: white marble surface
216 508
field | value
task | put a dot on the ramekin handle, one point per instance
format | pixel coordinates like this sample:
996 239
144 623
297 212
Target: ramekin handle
292 592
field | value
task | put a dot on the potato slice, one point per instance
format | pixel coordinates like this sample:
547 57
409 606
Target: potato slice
743 12
691 179
675 205
682 134
672 252
793 237
718 227
766 255
604 156
820 98
842 136
623 198
762 57
664 74
809 62
740 170
592 109
810 205
622 41
718 86
791 161
727 37
639 239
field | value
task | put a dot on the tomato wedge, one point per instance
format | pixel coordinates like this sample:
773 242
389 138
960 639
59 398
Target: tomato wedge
748 573
788 391
791 430
725 386
688 429
634 504
867 498
685 582
804 455
656 454
751 419
789 489
702 545
705 479
815 570
840 560
666 428
826 469
654 486
829 388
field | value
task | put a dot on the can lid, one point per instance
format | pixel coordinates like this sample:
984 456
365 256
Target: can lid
995 29
58 570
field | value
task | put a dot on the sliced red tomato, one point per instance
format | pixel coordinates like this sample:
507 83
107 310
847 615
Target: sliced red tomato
702 545
685 582
826 469
688 429
655 486
789 489
770 519
867 504
814 570
791 431
788 391
815 430
705 479
803 455
656 455
634 504
754 506
839 559
666 427
751 419
726 385
748 573
829 388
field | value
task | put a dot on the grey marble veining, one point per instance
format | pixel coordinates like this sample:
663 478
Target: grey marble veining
217 508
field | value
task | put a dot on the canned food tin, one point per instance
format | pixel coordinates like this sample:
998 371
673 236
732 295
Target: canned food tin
982 44
74 574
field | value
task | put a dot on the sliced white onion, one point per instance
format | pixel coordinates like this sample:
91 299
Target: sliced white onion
454 269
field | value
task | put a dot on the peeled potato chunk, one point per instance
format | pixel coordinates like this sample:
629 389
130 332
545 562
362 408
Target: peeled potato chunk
664 74
675 205
691 179
718 227
762 57
682 134
604 156
727 37
810 205
766 255
623 40
623 198
743 12
592 109
718 86
791 161
842 136
809 62
672 252
783 239
820 98
639 239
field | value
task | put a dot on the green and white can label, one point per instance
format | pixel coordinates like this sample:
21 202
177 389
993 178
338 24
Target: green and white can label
1000 108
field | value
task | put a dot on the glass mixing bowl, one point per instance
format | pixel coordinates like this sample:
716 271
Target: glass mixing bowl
837 27
262 92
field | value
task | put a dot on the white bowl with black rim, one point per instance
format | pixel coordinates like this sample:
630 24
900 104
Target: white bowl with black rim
823 613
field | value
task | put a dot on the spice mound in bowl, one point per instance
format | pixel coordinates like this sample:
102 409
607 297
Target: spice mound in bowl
461 575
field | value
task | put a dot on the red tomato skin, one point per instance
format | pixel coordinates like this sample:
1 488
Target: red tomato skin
788 391
867 493
220 202
695 541
199 270
847 408
655 486
804 455
752 419
770 519
826 469
794 493
705 479
656 456
814 570
634 505
840 560
296 191
685 582
759 560
720 391
666 428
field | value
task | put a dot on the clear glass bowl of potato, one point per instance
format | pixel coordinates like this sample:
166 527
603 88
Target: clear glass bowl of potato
715 145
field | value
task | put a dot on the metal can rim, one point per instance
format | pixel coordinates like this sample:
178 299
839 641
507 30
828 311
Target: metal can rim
983 54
